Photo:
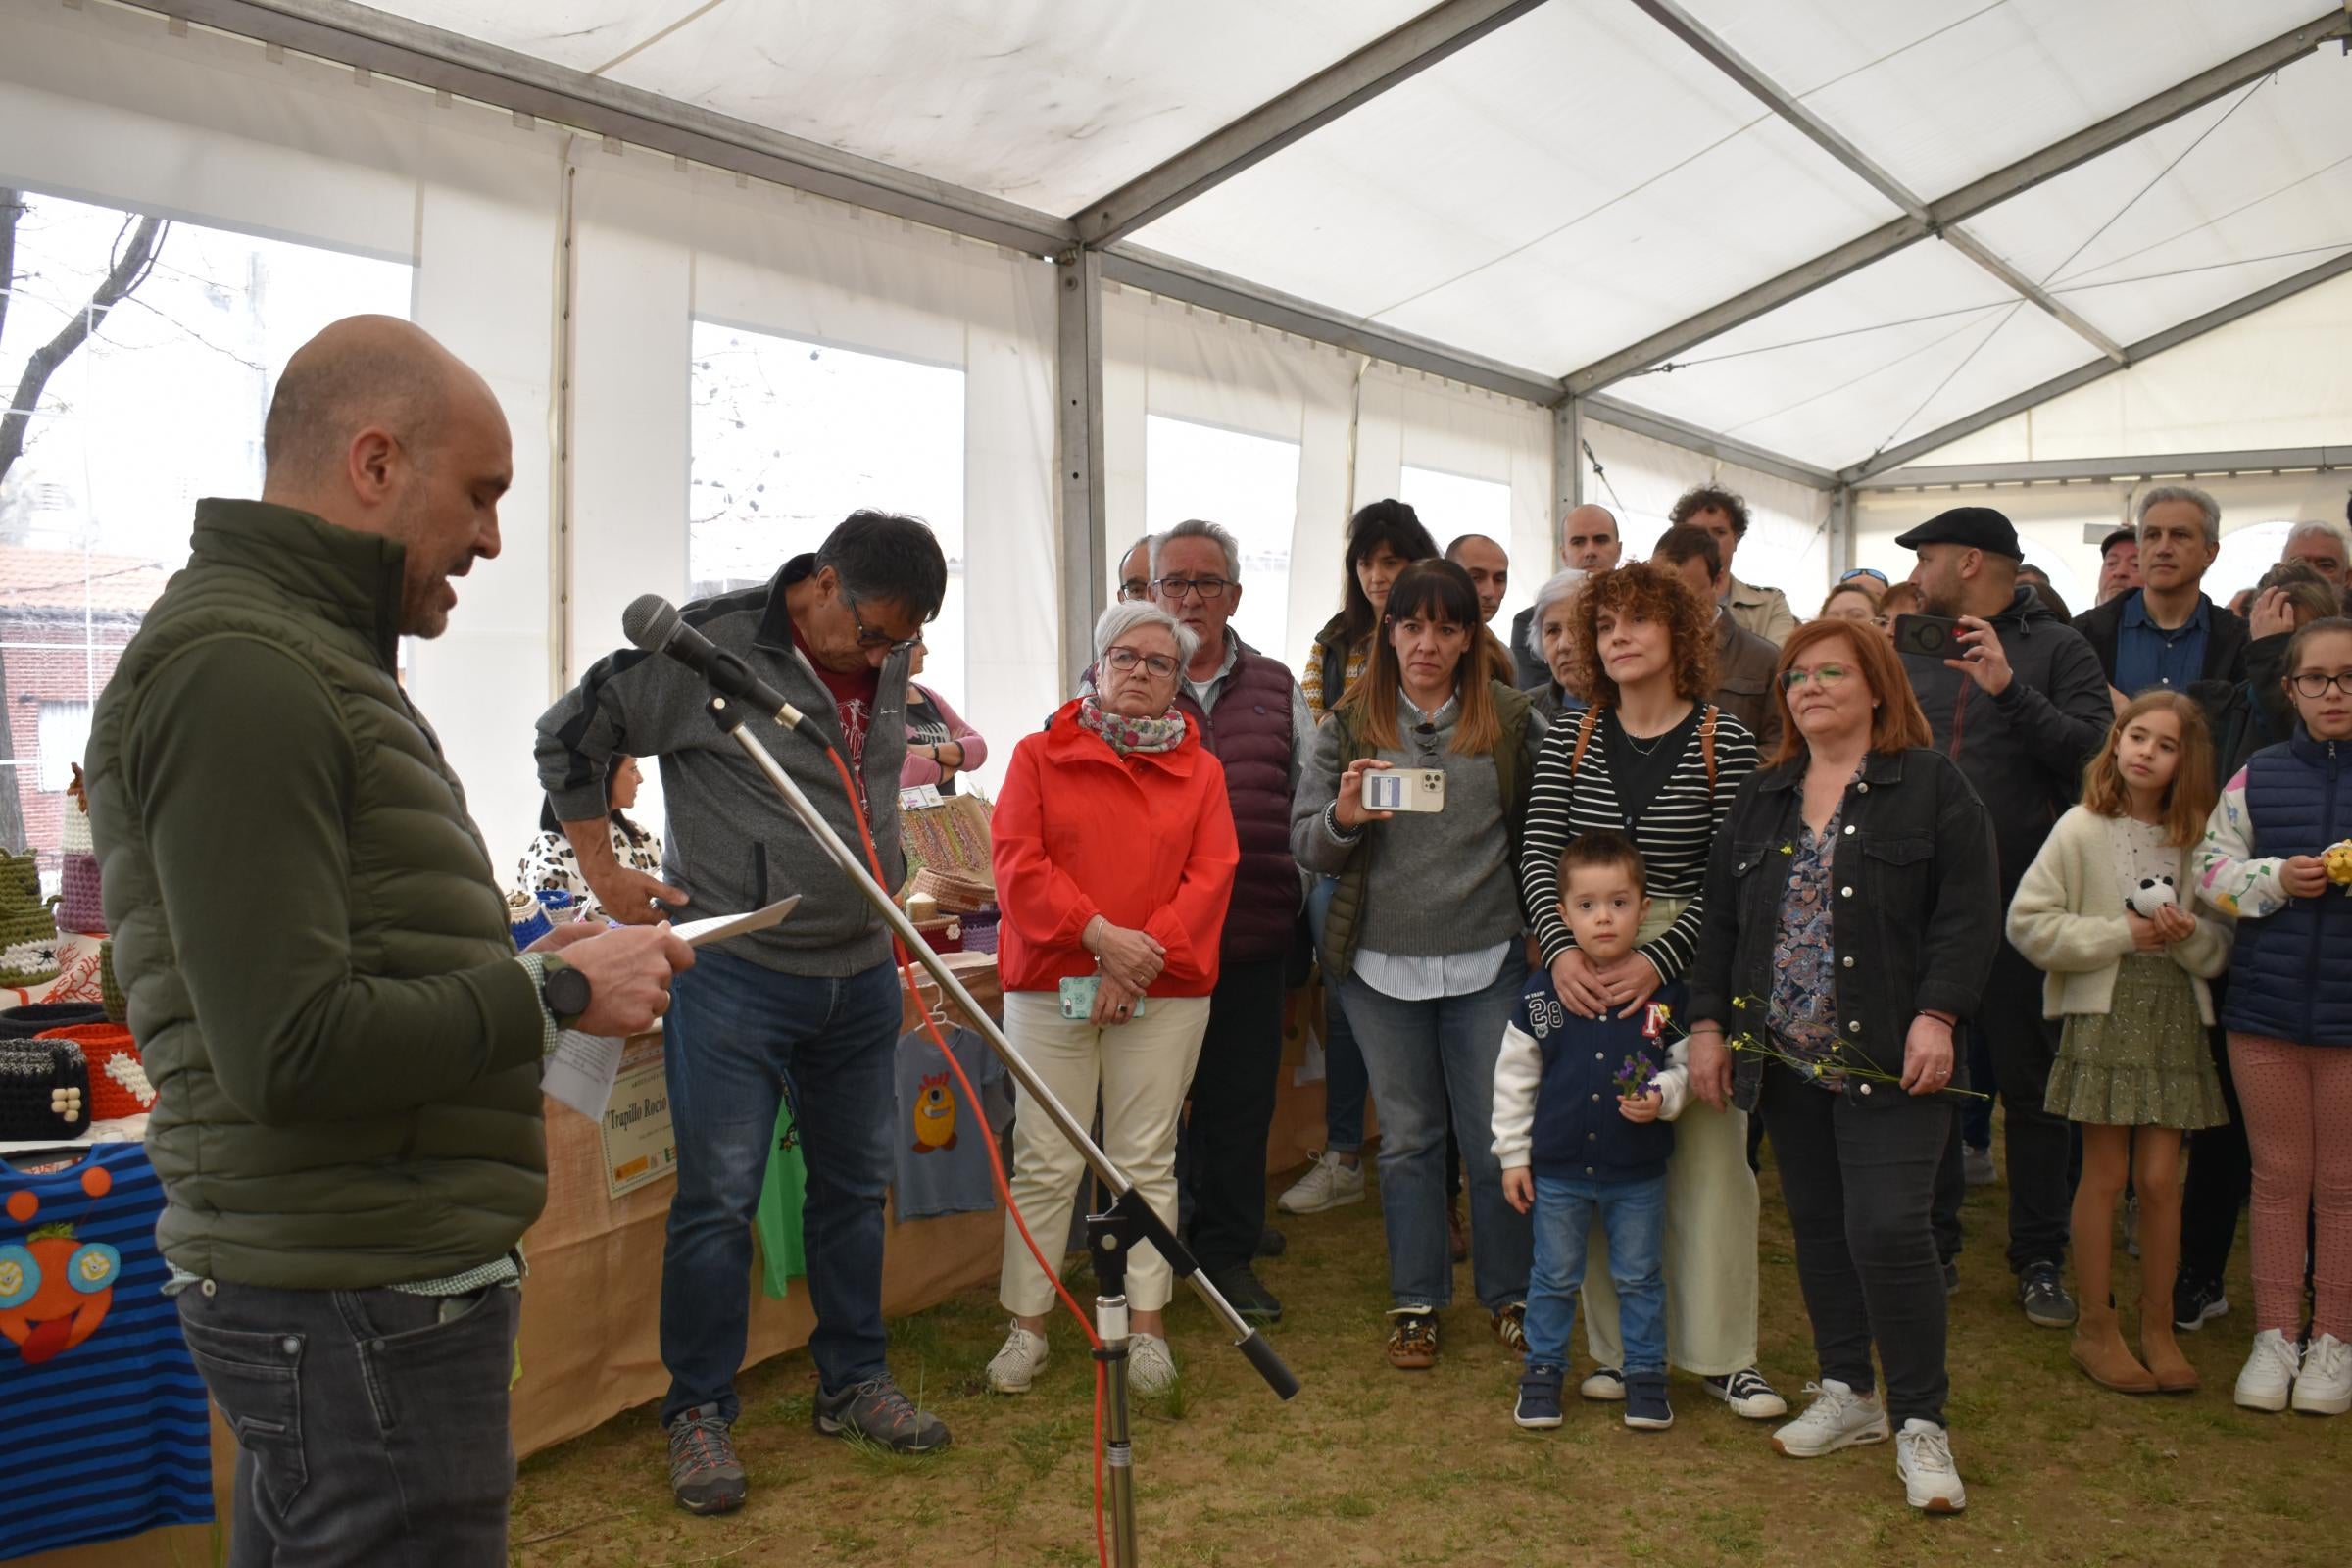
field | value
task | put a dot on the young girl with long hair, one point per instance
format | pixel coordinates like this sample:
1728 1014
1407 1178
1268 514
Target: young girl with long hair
2104 912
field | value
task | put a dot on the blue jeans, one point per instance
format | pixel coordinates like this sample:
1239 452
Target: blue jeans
1634 1213
1344 1082
735 1030
1417 1053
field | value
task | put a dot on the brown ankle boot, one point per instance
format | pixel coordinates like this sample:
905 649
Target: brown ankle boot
2162 1352
2100 1352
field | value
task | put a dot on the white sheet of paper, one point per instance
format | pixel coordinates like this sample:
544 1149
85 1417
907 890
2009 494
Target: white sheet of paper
720 927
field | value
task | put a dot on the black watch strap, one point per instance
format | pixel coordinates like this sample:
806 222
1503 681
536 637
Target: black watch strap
566 991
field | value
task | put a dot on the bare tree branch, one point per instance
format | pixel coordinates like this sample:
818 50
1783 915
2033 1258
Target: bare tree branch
133 258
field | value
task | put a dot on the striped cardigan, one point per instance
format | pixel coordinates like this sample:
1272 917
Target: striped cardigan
1676 832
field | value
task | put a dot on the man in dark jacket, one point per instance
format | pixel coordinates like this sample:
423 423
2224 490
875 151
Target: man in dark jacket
1253 718
345 1045
2021 709
2167 633
817 999
1744 662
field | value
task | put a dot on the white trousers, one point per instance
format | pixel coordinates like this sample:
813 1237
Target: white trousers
1709 1255
1143 1070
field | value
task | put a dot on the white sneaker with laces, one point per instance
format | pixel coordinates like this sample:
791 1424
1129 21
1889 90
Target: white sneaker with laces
1838 1418
1922 1457
1750 1395
1017 1365
1150 1369
1329 1183
2269 1375
2325 1384
1604 1384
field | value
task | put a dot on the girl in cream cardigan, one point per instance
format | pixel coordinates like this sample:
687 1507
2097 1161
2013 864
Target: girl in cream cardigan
2104 912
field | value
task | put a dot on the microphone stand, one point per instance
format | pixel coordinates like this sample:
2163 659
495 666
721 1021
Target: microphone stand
1110 1235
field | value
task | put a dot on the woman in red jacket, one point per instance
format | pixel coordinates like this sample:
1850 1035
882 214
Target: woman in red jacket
1114 856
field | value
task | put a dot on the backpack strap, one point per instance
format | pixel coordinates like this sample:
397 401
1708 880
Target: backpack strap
1706 744
1586 727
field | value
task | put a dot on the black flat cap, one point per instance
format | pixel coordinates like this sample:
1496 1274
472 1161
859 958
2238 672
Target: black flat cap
1976 527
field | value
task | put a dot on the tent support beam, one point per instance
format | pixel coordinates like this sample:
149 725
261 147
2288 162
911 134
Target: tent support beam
1322 98
1078 450
2082 375
1690 437
1790 108
2145 466
1996 187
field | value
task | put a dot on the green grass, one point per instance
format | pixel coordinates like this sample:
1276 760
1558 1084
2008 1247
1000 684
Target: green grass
1370 1466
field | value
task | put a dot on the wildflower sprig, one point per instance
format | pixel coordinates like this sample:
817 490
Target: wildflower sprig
1837 1069
1634 1075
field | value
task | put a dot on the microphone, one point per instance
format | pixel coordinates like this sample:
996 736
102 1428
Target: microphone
652 624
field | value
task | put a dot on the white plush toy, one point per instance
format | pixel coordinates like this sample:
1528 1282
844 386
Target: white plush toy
2153 893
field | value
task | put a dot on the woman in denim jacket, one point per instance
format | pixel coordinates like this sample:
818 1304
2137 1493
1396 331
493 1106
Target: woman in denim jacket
1853 906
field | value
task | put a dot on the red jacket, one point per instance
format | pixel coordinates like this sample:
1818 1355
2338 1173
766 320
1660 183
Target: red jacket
1145 841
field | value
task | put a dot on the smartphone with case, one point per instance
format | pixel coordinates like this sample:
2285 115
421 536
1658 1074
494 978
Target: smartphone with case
1931 636
1408 789
1078 996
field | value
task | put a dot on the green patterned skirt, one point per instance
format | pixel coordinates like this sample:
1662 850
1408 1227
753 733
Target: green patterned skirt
2146 1062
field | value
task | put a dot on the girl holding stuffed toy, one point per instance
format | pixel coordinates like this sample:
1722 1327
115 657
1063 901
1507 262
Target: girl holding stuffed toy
2102 913
2274 856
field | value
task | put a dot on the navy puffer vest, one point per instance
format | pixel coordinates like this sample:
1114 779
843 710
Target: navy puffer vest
1249 731
2291 974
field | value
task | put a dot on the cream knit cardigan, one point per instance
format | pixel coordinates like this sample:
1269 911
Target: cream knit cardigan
2068 920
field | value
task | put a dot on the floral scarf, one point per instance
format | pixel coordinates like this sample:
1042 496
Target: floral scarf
1126 735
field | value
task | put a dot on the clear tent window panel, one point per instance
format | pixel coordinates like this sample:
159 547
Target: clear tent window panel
791 436
1451 505
154 403
1246 484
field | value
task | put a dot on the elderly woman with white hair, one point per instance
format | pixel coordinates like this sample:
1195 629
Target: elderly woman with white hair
1547 641
1113 880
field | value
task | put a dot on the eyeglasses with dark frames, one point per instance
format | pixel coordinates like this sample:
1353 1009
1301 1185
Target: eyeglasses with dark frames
1124 660
1174 589
867 637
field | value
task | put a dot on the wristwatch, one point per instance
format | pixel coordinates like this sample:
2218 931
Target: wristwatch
565 992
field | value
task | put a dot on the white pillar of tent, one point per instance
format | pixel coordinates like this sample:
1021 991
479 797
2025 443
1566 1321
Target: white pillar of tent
1078 401
1842 531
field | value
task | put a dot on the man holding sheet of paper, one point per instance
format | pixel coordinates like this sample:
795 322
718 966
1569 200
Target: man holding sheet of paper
815 995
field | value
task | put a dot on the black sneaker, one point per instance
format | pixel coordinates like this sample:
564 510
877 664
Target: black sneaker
2197 1303
1646 1406
1245 1292
1271 1243
878 1412
1538 1403
2042 1293
704 1476
1951 1279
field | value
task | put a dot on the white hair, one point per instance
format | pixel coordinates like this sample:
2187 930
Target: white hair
1121 619
2204 503
1556 588
1196 529
2310 527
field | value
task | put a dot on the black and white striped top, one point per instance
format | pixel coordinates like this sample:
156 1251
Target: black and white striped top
1675 833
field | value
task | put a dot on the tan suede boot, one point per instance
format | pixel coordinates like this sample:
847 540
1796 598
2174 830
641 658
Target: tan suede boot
2100 1352
2161 1352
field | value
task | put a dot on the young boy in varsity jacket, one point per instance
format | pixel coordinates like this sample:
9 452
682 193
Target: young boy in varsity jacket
1581 1108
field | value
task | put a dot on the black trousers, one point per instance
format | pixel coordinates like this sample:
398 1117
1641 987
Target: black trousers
1233 1112
2041 1146
1859 1182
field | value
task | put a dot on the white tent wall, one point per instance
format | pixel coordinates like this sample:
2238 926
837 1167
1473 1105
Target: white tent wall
108 106
1787 543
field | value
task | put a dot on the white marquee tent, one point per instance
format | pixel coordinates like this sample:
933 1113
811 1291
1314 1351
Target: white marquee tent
1054 272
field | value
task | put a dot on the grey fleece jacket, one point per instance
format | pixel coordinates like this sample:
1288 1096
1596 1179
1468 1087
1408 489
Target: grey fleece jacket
732 843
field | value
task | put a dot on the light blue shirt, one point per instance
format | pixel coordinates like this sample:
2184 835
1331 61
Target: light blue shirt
1412 977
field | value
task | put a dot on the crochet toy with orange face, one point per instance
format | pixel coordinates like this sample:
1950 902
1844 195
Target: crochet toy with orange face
54 1292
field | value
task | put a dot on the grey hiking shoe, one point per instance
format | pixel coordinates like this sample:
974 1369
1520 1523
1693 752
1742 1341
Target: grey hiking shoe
704 1476
877 1411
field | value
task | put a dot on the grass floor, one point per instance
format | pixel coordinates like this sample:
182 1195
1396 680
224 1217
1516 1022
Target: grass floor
1373 1466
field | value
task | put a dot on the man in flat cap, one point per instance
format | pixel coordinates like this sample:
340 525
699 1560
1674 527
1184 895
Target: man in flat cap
2021 707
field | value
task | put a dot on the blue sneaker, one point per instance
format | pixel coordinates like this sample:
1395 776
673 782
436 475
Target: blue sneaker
1538 1403
1646 1406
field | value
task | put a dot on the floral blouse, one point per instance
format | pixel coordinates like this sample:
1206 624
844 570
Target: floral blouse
1802 1012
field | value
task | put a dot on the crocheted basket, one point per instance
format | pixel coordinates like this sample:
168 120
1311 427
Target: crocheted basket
44 1090
77 831
110 989
81 898
980 931
28 930
119 1084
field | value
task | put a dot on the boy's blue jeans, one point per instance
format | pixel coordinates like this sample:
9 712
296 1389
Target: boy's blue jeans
1634 1215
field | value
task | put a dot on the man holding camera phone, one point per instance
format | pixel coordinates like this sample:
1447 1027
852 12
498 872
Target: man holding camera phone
2017 698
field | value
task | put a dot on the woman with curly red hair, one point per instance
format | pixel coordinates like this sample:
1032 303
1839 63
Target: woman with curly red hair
1653 760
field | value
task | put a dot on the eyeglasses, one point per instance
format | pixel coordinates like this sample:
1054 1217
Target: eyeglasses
1824 676
1134 588
2311 683
867 637
1173 589
1865 572
1124 660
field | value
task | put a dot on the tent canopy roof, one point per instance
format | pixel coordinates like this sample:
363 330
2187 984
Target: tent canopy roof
1841 231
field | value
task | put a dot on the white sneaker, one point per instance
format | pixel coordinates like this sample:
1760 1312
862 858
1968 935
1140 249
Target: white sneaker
2269 1372
2325 1384
1150 1369
1329 1183
1605 1384
1017 1365
1838 1418
1748 1395
1922 1457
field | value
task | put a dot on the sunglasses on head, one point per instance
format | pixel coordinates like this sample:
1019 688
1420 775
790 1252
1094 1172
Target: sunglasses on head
1865 572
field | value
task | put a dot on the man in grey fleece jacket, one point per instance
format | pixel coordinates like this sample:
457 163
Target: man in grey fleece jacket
815 997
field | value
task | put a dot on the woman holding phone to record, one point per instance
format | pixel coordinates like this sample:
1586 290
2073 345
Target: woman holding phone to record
1114 860
1423 945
